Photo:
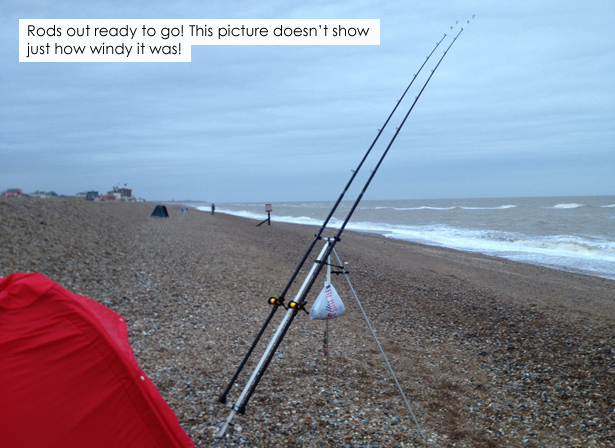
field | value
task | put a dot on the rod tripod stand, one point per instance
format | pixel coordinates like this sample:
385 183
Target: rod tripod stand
239 406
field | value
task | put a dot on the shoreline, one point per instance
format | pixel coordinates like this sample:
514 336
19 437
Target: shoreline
489 352
490 265
569 252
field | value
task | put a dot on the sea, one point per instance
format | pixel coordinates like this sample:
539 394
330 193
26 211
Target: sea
575 234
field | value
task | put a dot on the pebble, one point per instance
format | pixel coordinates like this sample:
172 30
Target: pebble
478 370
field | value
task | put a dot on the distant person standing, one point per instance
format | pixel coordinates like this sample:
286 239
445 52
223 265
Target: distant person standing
213 208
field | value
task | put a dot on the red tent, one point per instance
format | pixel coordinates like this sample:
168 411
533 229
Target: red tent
68 376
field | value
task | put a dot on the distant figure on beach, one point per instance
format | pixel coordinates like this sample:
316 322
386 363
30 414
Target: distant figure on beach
213 208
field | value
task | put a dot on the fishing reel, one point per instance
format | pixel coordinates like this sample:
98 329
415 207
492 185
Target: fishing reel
298 306
275 301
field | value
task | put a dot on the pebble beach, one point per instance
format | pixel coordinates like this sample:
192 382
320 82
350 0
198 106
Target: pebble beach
489 352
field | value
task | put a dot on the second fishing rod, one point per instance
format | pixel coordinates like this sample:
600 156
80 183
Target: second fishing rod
299 304
279 301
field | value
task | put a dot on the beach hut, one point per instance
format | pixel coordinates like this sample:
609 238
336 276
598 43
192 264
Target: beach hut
68 376
160 211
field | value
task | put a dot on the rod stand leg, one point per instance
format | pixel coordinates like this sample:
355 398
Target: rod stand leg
226 425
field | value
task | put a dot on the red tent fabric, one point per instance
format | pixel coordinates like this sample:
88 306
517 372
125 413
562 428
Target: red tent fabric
68 376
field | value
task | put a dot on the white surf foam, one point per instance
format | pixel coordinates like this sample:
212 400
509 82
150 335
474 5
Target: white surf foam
590 254
566 206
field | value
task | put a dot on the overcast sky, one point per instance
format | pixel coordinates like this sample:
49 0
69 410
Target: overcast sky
523 105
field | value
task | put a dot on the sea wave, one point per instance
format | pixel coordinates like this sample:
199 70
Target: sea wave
431 207
566 206
424 207
608 206
572 246
590 255
590 249
595 256
501 207
316 205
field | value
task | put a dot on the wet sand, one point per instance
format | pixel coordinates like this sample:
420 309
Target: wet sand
489 352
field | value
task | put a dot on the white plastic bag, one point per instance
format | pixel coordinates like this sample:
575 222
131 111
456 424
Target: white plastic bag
328 304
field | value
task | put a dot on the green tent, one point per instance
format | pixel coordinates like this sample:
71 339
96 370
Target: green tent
160 212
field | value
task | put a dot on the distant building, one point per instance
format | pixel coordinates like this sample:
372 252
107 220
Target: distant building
14 192
116 194
125 192
44 194
120 194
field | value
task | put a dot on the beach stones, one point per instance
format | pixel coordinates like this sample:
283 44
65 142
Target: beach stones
480 365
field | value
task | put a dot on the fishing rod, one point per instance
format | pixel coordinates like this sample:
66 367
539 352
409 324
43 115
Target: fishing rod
299 302
279 301
299 305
